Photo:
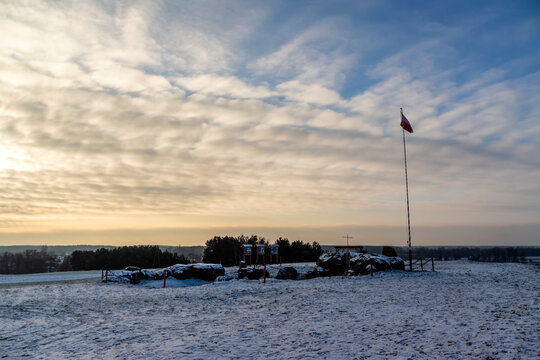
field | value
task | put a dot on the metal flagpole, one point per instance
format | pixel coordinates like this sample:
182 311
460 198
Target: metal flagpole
347 251
407 191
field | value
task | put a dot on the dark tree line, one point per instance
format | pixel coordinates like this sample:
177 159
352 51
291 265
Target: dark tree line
298 251
227 250
490 254
31 261
509 254
121 257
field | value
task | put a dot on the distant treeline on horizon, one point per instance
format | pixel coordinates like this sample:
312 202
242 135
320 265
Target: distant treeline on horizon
37 259
68 249
199 249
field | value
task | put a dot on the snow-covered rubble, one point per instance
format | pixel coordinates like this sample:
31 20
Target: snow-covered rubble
206 272
287 273
360 263
327 265
251 273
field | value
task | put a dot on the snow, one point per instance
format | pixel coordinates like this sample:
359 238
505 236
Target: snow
49 277
464 310
172 283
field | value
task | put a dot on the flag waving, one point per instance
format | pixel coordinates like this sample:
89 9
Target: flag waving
405 124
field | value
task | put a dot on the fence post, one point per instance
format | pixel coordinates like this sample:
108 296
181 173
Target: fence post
432 264
102 273
264 279
106 275
371 266
421 265
164 277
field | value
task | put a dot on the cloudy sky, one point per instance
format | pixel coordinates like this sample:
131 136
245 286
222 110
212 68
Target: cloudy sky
168 122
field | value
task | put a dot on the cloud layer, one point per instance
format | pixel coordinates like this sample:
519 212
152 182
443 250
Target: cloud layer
167 115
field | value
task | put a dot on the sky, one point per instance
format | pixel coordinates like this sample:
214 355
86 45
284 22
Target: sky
169 122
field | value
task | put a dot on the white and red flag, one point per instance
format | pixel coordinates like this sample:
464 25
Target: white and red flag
405 124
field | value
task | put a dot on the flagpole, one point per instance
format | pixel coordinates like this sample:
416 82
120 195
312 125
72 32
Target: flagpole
407 191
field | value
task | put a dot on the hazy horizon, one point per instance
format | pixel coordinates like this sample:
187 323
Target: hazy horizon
522 235
171 122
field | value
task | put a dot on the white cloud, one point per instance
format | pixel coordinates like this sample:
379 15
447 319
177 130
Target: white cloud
129 80
317 55
312 93
227 86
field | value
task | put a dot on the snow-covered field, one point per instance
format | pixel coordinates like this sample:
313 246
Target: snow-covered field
465 310
49 277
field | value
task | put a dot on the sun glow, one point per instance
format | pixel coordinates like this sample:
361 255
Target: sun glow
11 160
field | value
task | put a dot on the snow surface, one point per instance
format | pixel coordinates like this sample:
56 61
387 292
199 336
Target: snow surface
172 283
464 310
49 277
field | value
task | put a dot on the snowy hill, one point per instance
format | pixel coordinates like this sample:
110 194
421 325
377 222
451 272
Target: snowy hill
464 310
